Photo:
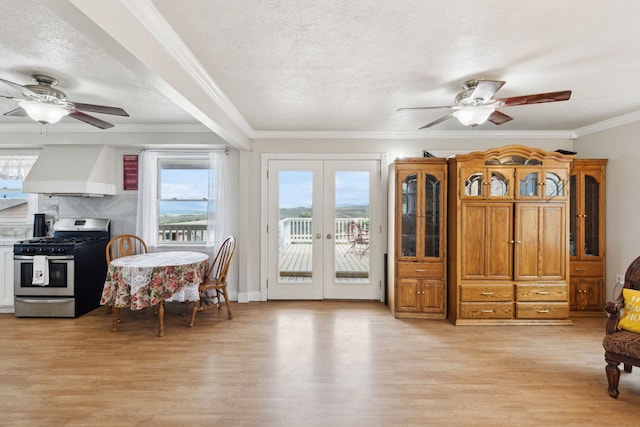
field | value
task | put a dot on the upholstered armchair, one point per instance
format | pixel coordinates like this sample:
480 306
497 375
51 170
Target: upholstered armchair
621 343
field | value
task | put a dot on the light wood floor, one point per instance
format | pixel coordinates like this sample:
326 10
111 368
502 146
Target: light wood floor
305 364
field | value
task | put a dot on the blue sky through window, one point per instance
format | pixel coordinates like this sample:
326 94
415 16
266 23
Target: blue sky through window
296 188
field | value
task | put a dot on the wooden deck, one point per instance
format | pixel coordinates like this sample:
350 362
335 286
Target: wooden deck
295 262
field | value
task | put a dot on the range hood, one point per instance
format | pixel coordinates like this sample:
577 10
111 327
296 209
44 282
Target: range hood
73 170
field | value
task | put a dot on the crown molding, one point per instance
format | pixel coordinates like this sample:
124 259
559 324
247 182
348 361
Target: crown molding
120 128
470 134
625 119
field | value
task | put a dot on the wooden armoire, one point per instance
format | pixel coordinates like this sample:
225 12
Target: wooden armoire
508 253
416 277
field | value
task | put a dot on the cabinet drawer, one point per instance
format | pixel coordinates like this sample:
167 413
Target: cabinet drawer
541 293
420 269
486 292
492 310
542 310
579 268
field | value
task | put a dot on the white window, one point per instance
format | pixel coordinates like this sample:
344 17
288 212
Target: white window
181 198
16 207
184 198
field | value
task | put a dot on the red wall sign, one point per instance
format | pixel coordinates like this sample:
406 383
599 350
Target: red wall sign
130 169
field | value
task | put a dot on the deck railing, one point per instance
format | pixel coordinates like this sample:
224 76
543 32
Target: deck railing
292 230
182 233
300 230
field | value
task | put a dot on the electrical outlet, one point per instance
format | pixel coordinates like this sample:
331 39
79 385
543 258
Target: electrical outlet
620 279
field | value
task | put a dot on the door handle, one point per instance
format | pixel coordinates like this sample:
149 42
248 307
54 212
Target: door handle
329 236
318 235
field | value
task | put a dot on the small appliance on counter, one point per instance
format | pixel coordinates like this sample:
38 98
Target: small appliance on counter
39 225
63 275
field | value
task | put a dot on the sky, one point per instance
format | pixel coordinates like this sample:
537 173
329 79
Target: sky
352 188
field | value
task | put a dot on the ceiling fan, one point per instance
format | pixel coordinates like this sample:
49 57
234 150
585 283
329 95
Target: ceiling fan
45 104
476 104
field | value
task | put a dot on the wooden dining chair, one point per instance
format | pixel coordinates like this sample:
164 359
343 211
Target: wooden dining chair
214 287
124 245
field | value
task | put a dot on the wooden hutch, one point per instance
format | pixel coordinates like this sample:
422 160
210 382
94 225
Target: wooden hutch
587 237
508 222
416 280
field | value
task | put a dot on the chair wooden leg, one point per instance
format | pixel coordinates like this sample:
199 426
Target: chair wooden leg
226 302
196 306
613 377
628 368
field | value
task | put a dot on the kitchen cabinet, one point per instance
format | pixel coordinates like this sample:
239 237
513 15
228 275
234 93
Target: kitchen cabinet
508 255
417 238
6 279
587 237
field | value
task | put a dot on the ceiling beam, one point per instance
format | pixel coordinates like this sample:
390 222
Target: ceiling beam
136 34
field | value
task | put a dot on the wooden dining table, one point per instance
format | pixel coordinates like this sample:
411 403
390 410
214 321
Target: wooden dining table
145 280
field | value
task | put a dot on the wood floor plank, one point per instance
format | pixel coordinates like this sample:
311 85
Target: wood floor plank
296 363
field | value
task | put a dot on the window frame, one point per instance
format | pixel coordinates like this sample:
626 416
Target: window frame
195 157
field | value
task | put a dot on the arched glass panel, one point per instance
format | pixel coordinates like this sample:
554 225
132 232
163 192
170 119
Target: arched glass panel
409 215
555 185
473 184
499 184
529 185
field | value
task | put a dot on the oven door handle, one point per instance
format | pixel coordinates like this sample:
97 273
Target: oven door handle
43 300
49 257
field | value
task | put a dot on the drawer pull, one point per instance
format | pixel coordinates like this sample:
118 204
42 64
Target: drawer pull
543 310
581 269
487 311
420 271
543 293
486 293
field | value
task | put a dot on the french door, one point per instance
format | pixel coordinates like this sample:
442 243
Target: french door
323 229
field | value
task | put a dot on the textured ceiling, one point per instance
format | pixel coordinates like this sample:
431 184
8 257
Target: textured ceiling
250 67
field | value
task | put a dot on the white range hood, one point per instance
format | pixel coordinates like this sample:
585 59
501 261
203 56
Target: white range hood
73 170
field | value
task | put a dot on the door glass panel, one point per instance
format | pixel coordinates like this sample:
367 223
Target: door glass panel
295 226
473 184
432 217
352 210
499 184
554 186
592 216
529 185
409 215
573 217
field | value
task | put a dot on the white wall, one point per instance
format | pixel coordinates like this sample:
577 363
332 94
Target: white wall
620 146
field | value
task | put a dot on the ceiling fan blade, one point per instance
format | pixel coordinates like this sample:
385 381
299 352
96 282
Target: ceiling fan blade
23 90
94 121
486 89
448 107
498 118
100 109
537 98
440 120
18 112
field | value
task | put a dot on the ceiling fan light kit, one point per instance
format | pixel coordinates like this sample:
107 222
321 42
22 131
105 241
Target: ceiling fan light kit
474 116
44 113
44 103
475 104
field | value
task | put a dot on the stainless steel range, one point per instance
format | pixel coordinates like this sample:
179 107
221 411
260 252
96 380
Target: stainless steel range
63 275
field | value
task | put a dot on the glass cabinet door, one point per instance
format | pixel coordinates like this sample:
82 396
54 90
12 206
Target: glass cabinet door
500 185
554 185
573 217
409 225
528 184
432 218
591 216
472 183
